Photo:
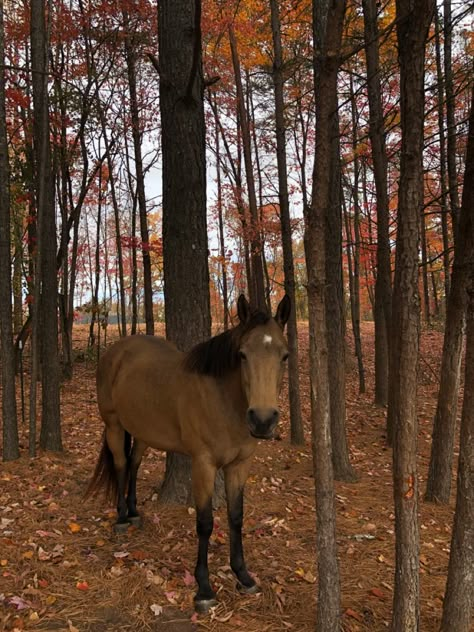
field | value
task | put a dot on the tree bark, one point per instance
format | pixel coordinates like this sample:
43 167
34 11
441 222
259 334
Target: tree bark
9 416
444 425
47 324
413 21
296 424
327 29
383 285
458 604
185 248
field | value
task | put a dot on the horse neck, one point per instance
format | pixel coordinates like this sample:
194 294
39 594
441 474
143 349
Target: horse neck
232 391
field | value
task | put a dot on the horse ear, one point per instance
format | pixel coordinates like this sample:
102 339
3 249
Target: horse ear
283 311
243 309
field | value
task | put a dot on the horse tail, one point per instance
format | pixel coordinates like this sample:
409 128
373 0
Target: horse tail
105 477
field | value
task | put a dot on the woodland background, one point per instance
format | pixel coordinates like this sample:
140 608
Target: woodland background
335 136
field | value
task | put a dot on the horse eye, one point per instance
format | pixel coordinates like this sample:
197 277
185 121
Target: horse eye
285 357
242 355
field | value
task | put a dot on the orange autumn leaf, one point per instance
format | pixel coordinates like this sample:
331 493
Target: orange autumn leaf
74 527
82 586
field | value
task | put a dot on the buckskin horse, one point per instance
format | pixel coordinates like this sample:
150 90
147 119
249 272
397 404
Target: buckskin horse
212 403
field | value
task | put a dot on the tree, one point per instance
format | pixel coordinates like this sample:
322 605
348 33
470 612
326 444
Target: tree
185 247
328 20
297 435
10 427
458 604
46 282
383 292
413 21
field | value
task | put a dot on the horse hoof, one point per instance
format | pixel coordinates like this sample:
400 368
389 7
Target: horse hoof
121 527
248 590
202 606
136 521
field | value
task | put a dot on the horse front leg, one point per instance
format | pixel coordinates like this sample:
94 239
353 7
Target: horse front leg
134 464
203 477
235 476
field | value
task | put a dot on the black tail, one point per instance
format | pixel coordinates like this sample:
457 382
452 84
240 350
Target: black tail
104 477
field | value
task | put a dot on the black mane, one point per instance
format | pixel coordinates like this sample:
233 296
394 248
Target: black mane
220 355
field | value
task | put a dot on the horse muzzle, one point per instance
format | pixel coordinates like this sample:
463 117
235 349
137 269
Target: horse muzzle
262 422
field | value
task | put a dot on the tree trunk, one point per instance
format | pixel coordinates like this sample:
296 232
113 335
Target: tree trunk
413 22
225 297
255 241
296 424
185 248
10 424
383 287
444 425
132 83
458 604
450 117
335 316
442 159
47 324
327 29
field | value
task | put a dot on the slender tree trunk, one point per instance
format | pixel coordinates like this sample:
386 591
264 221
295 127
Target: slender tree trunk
10 424
413 21
335 313
458 606
424 269
47 325
225 298
442 159
327 29
147 282
383 288
255 241
355 296
444 426
296 424
450 117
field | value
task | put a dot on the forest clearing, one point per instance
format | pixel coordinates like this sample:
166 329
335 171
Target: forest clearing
62 568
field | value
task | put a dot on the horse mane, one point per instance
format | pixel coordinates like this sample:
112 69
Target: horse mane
220 355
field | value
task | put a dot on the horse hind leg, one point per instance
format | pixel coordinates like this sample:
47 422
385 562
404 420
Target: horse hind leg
116 440
135 460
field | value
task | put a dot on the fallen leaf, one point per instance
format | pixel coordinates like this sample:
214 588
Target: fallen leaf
72 628
74 527
82 586
355 615
188 578
377 593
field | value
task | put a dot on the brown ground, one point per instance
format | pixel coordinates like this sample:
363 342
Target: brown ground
63 569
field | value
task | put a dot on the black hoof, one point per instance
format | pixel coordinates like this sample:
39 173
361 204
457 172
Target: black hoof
248 590
121 527
136 521
202 606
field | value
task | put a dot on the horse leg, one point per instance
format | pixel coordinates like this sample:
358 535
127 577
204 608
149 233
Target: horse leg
115 436
134 463
203 477
235 476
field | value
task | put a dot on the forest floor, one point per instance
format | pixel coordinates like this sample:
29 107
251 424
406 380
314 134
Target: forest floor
62 568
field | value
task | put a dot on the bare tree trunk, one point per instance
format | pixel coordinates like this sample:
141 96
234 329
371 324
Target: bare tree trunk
335 313
444 426
383 288
458 606
185 246
132 84
255 241
450 117
47 325
296 424
225 298
413 21
327 30
424 269
10 424
442 159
